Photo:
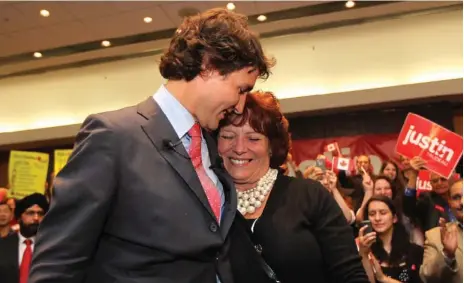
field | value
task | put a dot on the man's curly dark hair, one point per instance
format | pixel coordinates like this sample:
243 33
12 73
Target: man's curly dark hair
217 39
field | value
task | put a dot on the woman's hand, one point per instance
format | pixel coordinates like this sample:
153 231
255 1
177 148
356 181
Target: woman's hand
332 180
367 182
365 241
378 272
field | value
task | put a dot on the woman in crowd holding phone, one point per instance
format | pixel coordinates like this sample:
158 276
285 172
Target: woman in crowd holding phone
387 254
384 186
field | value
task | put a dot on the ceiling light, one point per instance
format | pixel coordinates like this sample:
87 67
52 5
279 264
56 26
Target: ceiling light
147 20
262 18
37 55
230 6
44 13
350 4
106 43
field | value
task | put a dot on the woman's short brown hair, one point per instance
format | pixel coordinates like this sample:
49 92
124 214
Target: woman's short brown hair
217 39
262 112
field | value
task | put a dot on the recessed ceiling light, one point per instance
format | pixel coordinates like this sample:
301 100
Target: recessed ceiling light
37 55
350 4
147 20
230 6
262 18
106 43
44 13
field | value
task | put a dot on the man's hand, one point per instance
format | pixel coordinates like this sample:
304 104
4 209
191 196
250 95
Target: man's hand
417 163
314 173
449 238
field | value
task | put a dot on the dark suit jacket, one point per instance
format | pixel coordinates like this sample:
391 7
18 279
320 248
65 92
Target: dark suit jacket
425 209
9 268
128 209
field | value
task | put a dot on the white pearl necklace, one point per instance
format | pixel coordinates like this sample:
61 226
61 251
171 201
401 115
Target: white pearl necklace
250 200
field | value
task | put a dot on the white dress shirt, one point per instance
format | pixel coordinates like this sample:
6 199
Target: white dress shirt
22 247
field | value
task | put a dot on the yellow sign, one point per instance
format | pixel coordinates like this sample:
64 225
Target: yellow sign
61 158
27 173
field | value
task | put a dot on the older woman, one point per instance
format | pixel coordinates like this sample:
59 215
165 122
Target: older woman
302 232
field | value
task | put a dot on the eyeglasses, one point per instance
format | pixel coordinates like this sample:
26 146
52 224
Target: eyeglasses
434 181
456 197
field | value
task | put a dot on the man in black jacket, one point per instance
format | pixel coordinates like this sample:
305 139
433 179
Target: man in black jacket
429 206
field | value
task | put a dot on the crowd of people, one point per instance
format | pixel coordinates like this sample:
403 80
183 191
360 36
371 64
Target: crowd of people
191 185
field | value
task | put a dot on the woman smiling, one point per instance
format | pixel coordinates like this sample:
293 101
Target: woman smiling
302 233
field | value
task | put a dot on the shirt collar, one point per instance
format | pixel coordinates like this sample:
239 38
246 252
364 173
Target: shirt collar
22 238
179 117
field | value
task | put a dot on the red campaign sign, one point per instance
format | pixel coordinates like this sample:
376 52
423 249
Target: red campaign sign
440 148
377 147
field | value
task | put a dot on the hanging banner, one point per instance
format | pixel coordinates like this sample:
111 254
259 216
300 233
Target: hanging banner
440 148
377 147
27 173
60 158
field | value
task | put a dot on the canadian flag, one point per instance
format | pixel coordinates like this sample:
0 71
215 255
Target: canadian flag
331 147
343 164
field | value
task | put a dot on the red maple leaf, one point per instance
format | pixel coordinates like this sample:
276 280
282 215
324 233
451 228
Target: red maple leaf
342 163
38 158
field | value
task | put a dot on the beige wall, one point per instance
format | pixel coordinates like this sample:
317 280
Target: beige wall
411 57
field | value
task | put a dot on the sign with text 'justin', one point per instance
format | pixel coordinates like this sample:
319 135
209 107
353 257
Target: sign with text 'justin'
440 148
423 181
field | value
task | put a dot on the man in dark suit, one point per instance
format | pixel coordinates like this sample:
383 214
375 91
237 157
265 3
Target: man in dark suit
16 249
141 200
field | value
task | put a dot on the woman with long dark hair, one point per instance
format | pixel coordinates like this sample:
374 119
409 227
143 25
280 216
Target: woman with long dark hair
387 253
390 169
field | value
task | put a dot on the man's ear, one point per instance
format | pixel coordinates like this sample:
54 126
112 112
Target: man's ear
207 73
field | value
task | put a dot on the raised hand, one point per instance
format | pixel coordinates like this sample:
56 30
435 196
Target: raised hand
332 180
449 238
367 182
417 163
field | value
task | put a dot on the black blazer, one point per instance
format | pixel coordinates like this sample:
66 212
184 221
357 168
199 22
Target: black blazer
425 209
9 268
129 209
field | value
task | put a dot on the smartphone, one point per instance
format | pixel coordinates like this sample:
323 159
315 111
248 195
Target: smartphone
369 226
321 164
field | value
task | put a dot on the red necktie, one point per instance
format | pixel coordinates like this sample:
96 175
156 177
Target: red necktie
195 154
26 262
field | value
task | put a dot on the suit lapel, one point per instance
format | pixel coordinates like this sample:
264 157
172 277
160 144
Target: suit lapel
230 203
159 130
